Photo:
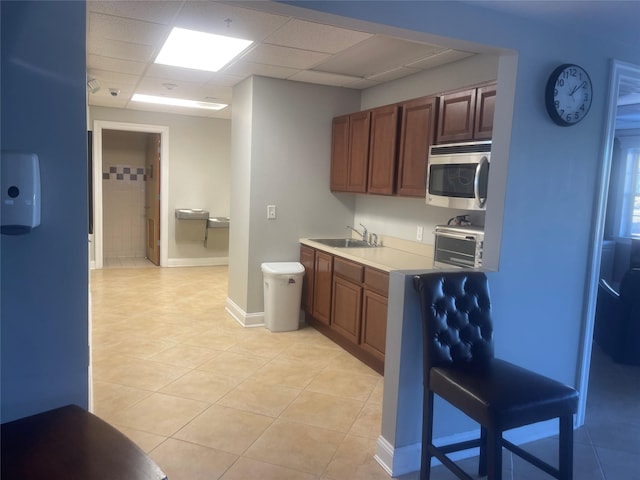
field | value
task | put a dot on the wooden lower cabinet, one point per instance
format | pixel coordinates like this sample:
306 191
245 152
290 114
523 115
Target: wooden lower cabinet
349 304
346 308
375 295
322 285
307 259
374 323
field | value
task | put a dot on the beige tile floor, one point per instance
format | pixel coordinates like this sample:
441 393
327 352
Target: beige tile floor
211 400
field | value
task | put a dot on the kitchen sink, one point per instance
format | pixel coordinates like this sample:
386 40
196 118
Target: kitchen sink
343 242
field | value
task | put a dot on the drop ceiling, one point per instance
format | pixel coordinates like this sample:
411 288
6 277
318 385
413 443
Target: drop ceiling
124 37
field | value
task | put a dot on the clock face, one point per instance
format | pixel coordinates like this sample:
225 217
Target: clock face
568 95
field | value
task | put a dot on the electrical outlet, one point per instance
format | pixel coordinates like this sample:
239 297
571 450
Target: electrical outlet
419 233
271 212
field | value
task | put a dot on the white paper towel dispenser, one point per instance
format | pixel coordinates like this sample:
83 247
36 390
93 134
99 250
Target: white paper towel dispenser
20 192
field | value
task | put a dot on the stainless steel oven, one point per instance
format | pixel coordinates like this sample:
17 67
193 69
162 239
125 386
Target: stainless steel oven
458 246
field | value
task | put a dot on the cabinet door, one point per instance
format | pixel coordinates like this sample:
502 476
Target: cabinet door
322 284
358 151
374 323
307 259
455 116
383 150
340 153
347 307
417 132
485 107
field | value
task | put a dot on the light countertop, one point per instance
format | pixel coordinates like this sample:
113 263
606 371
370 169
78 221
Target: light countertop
387 258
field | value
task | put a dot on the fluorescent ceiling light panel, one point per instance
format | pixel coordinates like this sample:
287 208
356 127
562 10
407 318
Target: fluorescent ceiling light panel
200 50
177 102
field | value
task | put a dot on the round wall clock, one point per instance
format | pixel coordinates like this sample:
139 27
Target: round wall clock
568 94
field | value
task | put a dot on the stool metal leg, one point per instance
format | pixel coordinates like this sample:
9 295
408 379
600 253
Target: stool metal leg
482 464
427 435
494 454
566 448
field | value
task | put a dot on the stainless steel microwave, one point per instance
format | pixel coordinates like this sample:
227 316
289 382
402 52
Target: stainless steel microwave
458 174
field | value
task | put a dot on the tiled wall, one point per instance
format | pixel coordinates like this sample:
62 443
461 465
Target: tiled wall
123 194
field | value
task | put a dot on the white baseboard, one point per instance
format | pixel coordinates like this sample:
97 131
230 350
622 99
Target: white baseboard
197 262
243 318
384 454
403 460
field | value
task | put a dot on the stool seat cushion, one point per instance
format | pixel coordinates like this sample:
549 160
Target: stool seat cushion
503 394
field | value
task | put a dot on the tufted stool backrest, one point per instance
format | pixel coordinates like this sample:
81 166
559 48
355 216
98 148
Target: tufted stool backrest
456 315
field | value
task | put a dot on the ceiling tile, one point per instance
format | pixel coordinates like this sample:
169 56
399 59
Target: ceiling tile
362 84
156 86
243 22
315 36
120 49
284 56
214 93
126 29
116 65
441 58
113 79
158 70
149 11
246 69
393 74
323 78
377 54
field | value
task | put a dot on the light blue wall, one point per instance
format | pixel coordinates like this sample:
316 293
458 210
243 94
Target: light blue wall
45 273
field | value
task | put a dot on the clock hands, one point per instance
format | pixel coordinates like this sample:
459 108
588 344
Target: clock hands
577 87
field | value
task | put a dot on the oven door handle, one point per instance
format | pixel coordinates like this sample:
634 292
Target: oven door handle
460 236
476 181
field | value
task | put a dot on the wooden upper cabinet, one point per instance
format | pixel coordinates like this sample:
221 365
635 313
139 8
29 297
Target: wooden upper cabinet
350 152
417 133
485 108
340 153
466 116
456 116
358 151
383 150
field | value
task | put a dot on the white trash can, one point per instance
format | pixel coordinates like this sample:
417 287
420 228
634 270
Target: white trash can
282 294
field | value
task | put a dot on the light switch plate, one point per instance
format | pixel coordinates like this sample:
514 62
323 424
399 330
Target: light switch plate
271 212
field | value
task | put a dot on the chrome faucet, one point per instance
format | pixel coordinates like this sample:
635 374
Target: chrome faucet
364 234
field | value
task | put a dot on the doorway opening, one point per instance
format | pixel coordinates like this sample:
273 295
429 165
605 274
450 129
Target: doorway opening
623 77
155 175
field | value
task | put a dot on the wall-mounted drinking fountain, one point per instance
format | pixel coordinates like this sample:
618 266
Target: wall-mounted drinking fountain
201 214
192 214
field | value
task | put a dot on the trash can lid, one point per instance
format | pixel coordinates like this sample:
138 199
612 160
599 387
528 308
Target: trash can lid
284 268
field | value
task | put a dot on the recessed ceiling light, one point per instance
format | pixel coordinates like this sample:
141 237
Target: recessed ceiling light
200 50
177 102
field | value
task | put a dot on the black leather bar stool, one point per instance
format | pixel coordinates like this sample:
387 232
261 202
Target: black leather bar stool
460 367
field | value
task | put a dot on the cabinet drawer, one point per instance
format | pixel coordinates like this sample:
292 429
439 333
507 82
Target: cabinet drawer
349 270
377 281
